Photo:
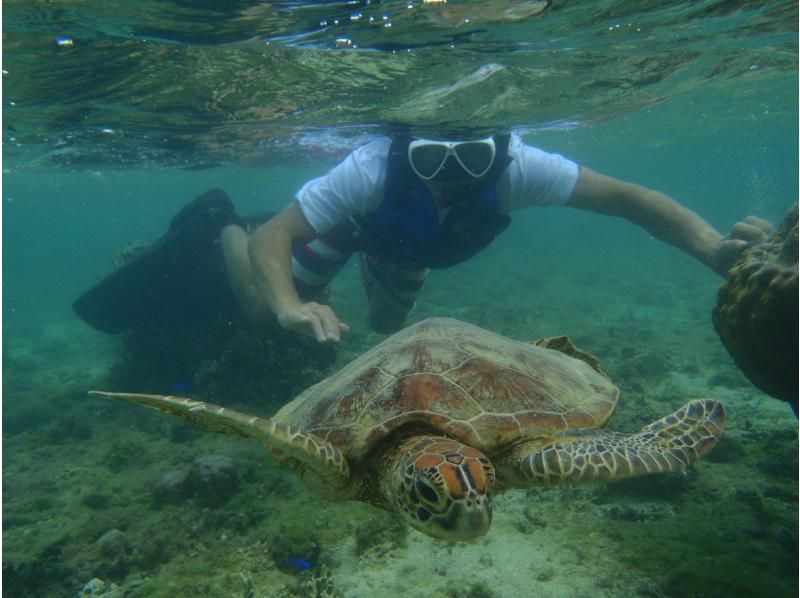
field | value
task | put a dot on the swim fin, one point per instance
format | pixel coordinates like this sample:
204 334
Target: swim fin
179 278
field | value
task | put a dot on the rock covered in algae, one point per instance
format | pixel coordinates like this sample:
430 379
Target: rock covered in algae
215 479
114 554
113 544
212 480
264 367
98 587
756 315
174 487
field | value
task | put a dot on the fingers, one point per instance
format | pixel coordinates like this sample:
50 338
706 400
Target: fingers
314 319
765 226
726 254
752 229
748 232
729 250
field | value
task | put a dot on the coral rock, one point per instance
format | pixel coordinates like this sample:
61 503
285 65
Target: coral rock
756 315
113 544
98 587
173 488
215 479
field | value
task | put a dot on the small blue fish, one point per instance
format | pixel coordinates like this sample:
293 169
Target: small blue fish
296 564
179 388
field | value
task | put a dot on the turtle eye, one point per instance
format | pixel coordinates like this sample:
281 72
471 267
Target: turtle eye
426 491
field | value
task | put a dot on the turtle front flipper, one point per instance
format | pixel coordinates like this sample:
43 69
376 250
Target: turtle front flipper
285 442
669 444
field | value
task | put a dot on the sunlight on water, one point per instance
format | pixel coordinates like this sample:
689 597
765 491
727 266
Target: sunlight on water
191 85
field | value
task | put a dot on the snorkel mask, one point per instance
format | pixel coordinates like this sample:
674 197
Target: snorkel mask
451 161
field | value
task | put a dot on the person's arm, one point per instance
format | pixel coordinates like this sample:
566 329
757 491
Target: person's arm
666 219
270 251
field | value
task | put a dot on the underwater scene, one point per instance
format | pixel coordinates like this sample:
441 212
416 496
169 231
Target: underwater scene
160 440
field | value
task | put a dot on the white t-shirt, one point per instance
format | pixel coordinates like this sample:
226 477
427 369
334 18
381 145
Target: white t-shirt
355 186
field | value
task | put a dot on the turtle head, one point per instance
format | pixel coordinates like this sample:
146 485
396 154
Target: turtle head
441 487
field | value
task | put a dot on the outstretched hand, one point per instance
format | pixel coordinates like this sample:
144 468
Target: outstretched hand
313 319
750 230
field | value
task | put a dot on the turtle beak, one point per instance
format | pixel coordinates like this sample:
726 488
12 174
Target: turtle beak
466 521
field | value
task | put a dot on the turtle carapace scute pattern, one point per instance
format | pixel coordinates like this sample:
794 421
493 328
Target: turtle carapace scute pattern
442 415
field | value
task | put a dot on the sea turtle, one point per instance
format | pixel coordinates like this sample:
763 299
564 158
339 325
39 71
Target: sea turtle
438 417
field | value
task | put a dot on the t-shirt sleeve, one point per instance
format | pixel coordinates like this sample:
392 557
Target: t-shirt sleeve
354 186
536 178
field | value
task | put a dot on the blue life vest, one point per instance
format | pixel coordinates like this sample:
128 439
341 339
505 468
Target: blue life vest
406 225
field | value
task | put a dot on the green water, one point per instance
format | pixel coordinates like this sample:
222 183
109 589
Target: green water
107 137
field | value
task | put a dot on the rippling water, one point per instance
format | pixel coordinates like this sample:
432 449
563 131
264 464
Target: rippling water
91 83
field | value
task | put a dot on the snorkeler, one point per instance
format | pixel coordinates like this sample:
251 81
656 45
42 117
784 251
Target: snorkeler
409 204
404 204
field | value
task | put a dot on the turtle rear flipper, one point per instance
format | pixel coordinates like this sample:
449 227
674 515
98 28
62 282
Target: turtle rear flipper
669 444
284 441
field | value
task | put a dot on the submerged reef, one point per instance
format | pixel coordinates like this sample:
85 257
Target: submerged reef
756 314
94 491
221 358
180 328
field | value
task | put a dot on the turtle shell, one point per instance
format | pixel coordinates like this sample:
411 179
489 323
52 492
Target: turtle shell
447 377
